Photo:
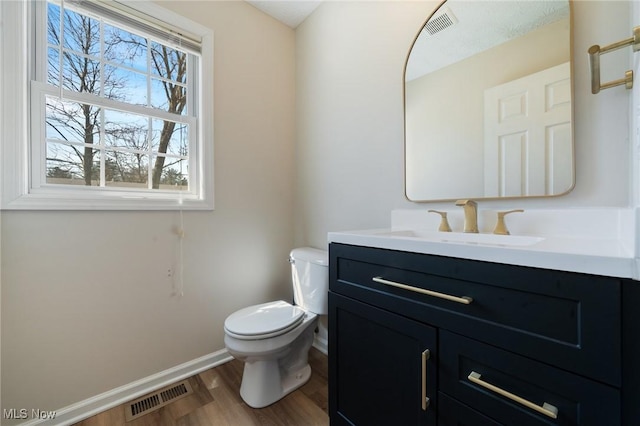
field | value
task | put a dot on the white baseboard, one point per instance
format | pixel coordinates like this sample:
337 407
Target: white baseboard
99 403
321 344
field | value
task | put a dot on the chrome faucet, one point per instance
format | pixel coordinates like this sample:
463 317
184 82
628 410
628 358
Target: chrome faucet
470 215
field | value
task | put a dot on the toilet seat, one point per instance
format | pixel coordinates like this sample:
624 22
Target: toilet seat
263 321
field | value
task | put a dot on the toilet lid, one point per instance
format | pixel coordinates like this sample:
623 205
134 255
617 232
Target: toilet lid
265 320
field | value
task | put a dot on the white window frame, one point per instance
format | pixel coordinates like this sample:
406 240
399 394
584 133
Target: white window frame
19 190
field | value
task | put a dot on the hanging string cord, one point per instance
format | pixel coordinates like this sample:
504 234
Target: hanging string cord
180 201
180 289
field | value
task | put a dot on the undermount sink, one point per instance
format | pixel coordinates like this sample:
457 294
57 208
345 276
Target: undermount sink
465 238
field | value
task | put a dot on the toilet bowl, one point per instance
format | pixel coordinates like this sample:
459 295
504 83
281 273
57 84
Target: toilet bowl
273 339
275 365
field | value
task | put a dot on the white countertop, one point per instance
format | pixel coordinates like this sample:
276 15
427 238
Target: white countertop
599 256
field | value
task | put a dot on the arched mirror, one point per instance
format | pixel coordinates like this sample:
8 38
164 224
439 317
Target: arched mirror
488 102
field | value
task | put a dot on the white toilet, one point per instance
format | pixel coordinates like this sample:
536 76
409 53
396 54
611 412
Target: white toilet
273 339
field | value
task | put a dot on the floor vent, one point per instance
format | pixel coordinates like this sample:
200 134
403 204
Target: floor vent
156 400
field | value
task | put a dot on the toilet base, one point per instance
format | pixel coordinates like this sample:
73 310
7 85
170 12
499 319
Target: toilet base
263 384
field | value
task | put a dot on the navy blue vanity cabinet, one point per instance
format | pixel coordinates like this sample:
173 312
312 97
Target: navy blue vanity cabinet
509 345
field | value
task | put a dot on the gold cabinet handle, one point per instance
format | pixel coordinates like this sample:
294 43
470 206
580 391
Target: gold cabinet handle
546 409
425 398
463 299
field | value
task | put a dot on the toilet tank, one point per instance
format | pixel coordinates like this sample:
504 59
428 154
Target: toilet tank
310 279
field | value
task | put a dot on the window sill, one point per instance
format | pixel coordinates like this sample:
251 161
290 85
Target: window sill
120 202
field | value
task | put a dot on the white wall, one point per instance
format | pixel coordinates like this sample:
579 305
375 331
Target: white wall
634 133
350 58
87 303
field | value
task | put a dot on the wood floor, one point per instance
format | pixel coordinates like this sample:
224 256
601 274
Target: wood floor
216 401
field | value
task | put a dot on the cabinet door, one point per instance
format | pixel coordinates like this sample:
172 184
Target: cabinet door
380 372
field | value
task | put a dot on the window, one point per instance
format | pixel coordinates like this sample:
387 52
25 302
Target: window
115 109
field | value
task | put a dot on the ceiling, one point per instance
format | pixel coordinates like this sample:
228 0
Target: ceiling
289 12
480 25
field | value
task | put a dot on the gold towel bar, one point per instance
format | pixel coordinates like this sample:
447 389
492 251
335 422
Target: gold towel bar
594 62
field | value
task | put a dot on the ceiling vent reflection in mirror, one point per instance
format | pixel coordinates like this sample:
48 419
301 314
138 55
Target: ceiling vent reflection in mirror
441 21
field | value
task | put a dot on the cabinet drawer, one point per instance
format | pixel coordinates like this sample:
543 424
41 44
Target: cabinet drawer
566 319
519 391
453 413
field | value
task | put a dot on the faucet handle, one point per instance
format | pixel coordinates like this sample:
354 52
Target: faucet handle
466 203
501 227
444 223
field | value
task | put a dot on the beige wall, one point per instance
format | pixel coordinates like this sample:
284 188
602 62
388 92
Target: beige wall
87 302
350 58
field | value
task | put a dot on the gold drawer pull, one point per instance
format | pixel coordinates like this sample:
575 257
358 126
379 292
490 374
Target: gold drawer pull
464 299
425 398
546 409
